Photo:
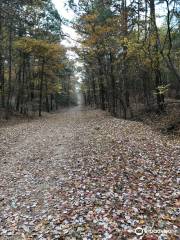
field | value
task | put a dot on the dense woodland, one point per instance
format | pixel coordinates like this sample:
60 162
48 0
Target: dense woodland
131 53
129 50
35 72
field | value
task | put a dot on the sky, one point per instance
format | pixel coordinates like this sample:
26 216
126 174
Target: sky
68 41
67 14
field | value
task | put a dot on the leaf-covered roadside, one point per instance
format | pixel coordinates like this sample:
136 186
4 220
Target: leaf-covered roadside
86 175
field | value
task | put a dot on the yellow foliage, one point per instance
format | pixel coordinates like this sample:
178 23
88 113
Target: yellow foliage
89 17
39 48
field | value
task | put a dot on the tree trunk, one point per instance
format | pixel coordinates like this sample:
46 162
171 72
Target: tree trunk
158 82
113 86
41 89
101 86
47 98
8 106
19 90
1 62
52 97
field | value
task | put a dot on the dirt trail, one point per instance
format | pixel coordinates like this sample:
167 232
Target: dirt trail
81 174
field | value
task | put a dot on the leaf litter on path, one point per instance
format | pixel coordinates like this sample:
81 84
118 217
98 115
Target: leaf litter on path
86 175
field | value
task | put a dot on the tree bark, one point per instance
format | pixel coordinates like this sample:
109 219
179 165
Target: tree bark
101 85
8 106
1 61
113 86
158 82
41 89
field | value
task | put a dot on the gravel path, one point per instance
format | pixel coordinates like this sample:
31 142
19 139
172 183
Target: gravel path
81 174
